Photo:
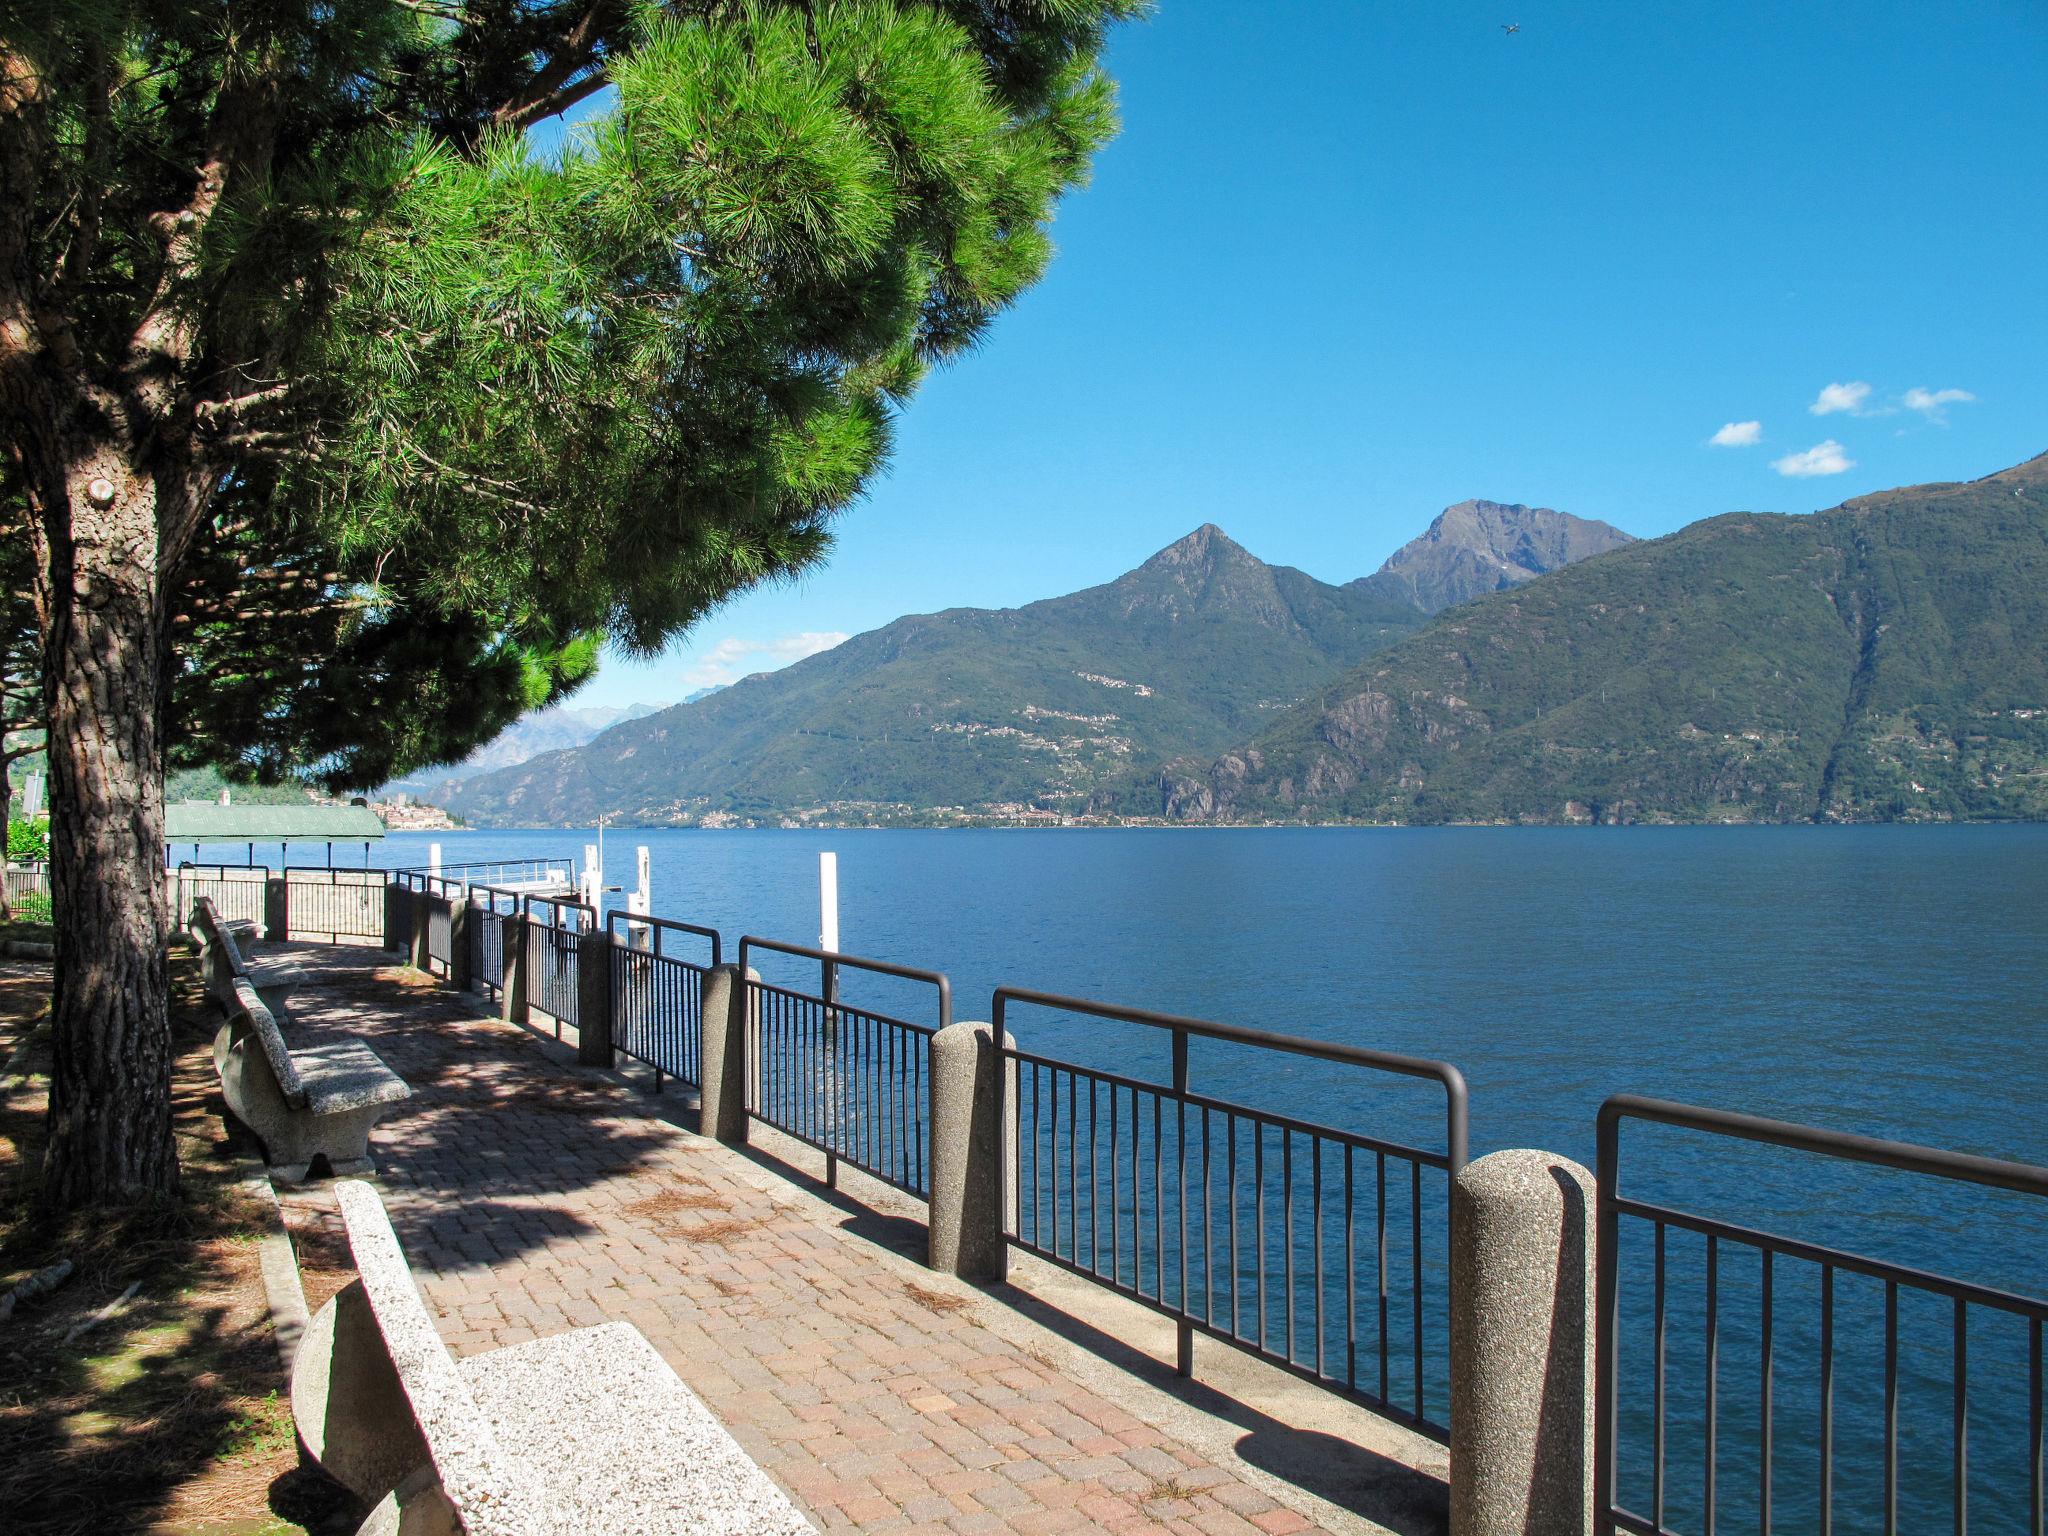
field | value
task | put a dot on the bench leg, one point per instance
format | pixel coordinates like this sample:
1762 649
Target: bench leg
290 1173
353 1168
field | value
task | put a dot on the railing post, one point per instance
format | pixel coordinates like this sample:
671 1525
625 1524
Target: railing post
277 911
594 998
397 916
965 1234
458 944
512 990
722 1112
1522 1337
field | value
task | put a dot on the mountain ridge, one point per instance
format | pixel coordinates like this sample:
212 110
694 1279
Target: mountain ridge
1880 660
1034 709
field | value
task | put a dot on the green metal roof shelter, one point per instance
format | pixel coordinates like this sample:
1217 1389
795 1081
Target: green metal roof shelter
208 821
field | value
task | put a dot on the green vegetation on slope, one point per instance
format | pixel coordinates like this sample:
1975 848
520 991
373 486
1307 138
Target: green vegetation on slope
1885 660
1041 705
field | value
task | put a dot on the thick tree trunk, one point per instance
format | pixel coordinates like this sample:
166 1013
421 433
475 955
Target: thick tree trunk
103 677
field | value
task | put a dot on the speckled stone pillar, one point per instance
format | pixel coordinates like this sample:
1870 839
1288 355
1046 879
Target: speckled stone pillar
965 1233
723 1094
594 998
1522 1333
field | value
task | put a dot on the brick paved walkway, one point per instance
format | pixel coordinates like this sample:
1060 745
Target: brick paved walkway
532 1196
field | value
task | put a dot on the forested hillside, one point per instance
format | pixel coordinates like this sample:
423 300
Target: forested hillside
1884 660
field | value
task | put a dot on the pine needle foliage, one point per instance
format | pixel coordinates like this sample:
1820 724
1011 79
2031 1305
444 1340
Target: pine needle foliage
511 404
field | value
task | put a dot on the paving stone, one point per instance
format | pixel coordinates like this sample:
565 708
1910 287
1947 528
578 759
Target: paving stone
532 1198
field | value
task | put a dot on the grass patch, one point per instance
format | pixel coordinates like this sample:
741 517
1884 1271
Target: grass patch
1169 1490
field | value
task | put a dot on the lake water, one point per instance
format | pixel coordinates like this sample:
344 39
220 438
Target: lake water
1887 980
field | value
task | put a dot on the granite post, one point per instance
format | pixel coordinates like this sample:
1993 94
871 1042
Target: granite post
722 1101
965 1229
397 916
421 904
594 998
1522 1337
458 943
512 990
277 914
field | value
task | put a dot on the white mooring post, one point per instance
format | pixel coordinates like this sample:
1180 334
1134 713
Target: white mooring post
828 901
592 885
434 859
640 900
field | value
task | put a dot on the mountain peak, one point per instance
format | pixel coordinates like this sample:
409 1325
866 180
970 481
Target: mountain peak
1207 545
1476 546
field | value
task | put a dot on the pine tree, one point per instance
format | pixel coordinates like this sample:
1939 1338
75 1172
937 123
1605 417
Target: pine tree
285 288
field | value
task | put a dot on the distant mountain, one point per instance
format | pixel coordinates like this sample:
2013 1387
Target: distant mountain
1039 705
546 730
1884 660
1478 547
991 711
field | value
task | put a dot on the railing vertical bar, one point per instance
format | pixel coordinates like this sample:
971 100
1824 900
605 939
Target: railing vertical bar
1657 1392
1159 1208
1350 1274
1287 1232
1094 1186
1415 1276
1962 1417
1713 1380
1236 1325
1386 1384
1117 1199
1259 1224
1827 1399
1316 1196
1764 1406
2036 1478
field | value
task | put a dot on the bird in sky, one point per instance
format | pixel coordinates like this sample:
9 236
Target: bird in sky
1511 27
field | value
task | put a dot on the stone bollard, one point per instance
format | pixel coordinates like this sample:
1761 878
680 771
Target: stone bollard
968 1203
722 1099
1522 1336
512 989
421 904
458 944
277 916
397 916
594 999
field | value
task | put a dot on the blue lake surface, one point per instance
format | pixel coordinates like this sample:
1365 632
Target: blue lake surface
1886 980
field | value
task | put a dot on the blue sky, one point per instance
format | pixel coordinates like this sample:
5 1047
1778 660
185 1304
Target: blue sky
1352 262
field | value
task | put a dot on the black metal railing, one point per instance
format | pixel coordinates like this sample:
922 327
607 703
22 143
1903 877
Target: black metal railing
853 1083
1902 1398
489 907
236 890
28 892
334 905
441 934
658 994
555 926
1241 1223
505 874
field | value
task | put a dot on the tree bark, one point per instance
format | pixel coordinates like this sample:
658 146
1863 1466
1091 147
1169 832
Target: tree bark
103 677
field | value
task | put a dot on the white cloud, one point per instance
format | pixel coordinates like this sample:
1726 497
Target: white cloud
1738 434
1841 397
723 662
1826 458
1932 403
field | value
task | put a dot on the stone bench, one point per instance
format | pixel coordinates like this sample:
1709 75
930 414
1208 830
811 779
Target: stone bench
316 1102
585 1432
220 945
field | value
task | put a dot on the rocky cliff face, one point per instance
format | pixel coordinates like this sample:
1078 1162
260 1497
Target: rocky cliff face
1478 547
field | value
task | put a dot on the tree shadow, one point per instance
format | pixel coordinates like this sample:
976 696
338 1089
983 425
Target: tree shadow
169 1406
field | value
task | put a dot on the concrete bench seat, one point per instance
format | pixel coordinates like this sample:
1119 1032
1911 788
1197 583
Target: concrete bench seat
318 1102
588 1431
221 943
